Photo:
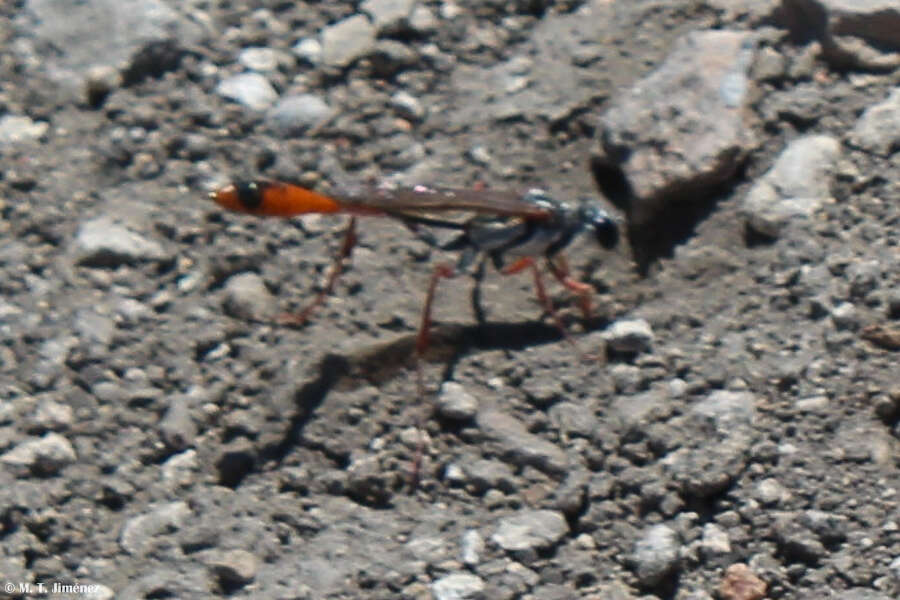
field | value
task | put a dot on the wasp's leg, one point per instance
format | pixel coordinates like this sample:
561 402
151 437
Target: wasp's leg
441 271
559 267
422 234
478 276
528 262
337 267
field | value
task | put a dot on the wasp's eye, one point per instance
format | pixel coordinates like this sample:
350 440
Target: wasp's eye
606 232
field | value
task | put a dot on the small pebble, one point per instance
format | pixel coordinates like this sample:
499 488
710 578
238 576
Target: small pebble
629 335
455 402
844 316
250 89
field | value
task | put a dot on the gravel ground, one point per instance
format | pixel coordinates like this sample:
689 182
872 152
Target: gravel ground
732 435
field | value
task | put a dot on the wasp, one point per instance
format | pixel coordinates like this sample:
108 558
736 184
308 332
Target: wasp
512 229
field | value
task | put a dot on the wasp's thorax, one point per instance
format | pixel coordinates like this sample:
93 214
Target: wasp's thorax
506 237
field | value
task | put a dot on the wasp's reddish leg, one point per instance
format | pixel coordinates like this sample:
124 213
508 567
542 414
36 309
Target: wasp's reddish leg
441 271
559 266
528 262
337 267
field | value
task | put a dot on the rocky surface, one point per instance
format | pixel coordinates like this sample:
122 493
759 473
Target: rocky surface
725 427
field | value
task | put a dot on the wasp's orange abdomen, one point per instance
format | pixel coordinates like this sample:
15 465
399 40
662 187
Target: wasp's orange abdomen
272 199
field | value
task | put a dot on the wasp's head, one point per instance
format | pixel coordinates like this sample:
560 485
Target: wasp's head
605 227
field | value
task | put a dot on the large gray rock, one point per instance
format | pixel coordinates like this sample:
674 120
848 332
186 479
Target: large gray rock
682 129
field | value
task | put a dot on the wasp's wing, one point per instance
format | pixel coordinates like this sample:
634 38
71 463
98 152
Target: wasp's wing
444 206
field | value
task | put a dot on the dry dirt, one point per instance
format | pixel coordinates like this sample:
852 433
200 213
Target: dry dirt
161 437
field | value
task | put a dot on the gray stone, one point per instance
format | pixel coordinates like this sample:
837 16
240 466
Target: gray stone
53 415
769 491
454 474
531 530
422 20
456 403
100 81
181 469
346 41
845 316
308 49
428 550
796 542
44 456
247 297
769 65
802 103
389 15
521 445
137 533
471 547
233 568
813 404
615 590
629 335
259 59
727 409
637 412
571 418
569 497
878 128
485 474
94 328
831 528
102 242
389 57
408 106
249 89
715 541
293 115
14 128
711 467
367 481
795 187
132 311
861 441
865 277
458 586
656 555
177 428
